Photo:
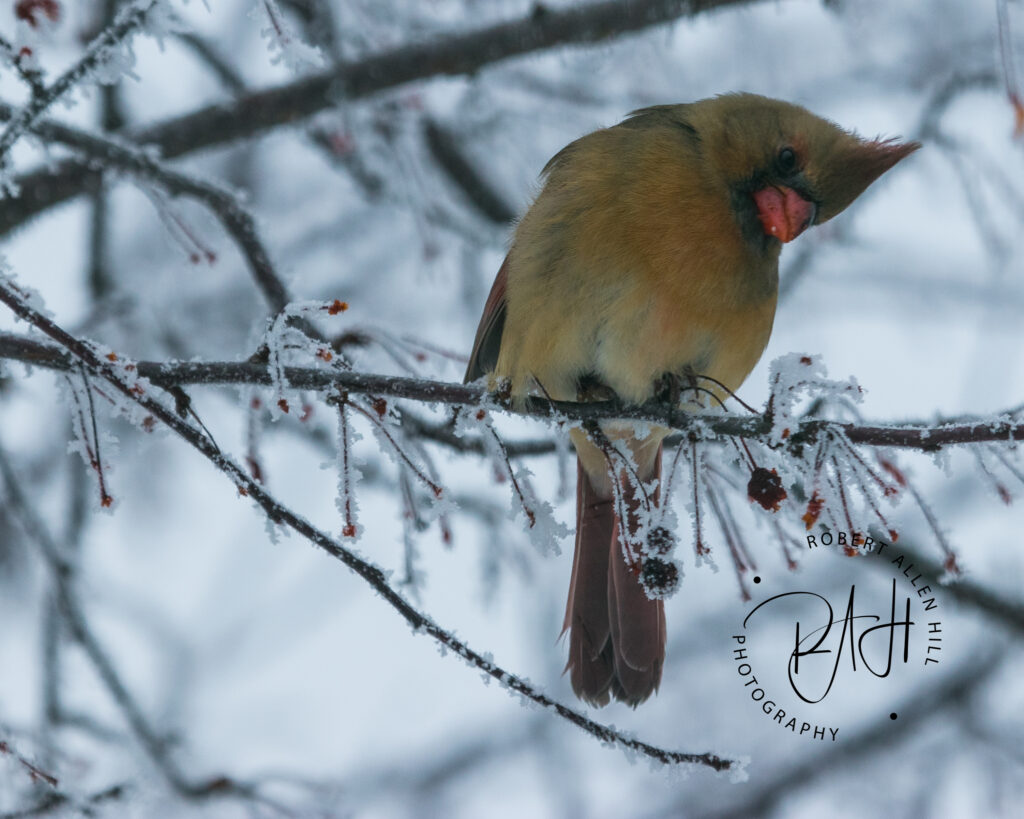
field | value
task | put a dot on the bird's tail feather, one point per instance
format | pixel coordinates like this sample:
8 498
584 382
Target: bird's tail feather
616 632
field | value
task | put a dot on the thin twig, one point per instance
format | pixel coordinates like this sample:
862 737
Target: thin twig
225 204
78 626
33 78
928 705
60 803
284 105
1000 427
129 19
35 773
372 574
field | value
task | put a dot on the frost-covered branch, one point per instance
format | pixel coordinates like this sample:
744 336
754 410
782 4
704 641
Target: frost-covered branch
225 204
126 22
63 575
462 53
32 77
261 110
58 803
1000 427
33 771
125 380
966 591
949 694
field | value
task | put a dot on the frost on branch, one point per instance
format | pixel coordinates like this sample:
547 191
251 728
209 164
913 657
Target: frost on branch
796 376
841 488
645 529
285 46
116 60
86 438
83 394
348 474
846 491
28 295
545 531
36 13
286 343
385 423
162 22
181 231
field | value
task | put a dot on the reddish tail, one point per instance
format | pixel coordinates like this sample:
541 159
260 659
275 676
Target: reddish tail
616 633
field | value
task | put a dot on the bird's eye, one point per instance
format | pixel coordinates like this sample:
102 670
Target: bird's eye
786 161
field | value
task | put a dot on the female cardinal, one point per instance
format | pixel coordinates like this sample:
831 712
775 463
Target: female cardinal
651 257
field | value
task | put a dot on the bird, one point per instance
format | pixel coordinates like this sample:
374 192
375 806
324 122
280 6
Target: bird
648 260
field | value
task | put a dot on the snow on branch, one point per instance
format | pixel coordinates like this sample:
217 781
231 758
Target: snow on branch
143 164
100 51
64 574
1006 426
23 64
126 380
35 773
283 105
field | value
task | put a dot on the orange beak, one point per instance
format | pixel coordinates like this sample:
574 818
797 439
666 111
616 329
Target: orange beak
783 212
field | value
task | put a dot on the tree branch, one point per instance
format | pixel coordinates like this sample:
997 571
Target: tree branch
30 76
928 705
965 591
57 803
925 437
285 104
99 49
225 204
112 372
449 156
78 625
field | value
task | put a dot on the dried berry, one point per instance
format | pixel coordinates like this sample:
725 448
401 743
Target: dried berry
660 540
660 577
765 487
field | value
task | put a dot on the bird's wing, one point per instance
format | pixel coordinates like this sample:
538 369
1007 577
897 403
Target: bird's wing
484 357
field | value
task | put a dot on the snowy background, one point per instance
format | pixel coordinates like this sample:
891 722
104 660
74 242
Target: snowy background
257 659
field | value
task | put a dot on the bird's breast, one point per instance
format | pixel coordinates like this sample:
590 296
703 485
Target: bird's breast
651 331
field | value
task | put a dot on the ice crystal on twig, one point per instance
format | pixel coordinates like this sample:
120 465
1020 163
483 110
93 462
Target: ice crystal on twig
285 46
796 376
348 474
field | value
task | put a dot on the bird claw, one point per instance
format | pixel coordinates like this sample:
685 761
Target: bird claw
590 388
668 388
